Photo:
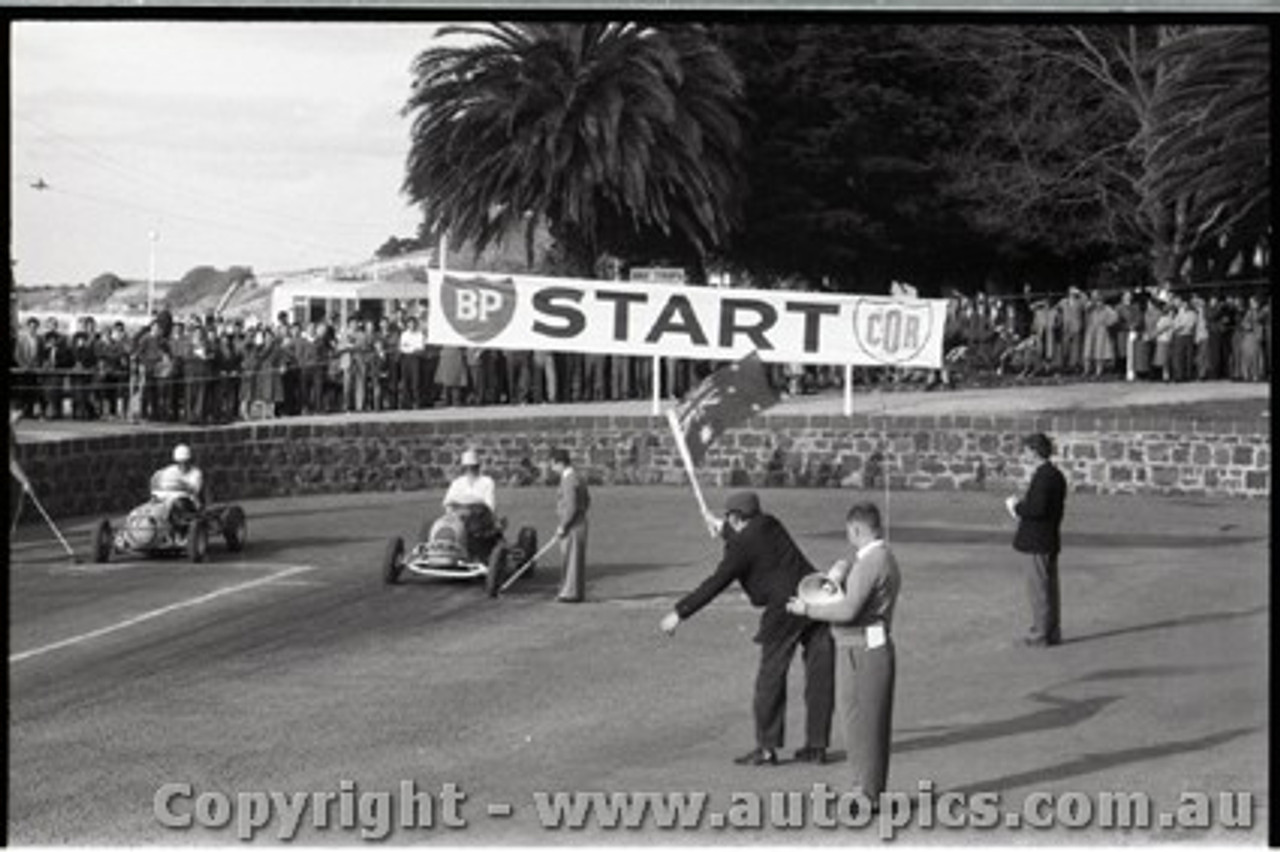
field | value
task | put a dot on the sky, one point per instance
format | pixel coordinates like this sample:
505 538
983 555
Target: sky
279 146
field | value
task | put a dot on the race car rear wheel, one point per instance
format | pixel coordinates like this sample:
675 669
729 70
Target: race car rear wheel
527 542
393 561
235 529
102 542
499 562
198 541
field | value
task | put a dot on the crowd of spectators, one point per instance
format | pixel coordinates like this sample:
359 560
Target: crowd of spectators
217 370
1152 334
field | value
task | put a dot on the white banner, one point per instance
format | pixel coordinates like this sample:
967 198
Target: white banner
625 318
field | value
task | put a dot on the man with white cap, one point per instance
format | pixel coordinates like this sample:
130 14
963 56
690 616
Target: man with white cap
472 488
181 484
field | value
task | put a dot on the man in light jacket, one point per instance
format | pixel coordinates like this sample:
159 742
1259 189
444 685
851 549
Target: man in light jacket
860 620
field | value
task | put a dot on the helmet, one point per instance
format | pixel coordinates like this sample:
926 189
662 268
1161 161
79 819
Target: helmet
470 459
181 453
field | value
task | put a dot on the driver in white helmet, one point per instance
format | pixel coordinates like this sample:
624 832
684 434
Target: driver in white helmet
181 483
472 488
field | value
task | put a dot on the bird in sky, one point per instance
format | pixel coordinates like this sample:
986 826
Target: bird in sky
40 184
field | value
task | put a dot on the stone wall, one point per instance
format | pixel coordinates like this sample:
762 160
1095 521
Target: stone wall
1100 454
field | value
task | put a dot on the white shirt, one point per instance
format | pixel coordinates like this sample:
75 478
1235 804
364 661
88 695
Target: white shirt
173 481
412 341
467 491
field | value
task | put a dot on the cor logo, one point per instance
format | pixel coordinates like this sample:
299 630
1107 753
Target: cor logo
478 308
890 331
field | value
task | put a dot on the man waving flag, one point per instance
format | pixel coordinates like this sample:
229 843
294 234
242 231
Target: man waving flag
724 400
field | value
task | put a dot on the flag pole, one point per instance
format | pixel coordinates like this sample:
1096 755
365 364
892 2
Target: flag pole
35 501
22 493
688 460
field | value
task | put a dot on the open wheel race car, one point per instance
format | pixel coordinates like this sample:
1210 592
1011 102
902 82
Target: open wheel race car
169 528
464 544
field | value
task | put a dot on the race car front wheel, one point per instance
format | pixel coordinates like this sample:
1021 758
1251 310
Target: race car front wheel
198 541
235 529
527 544
393 561
499 561
102 537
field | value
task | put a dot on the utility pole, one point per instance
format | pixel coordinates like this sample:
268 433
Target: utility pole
152 236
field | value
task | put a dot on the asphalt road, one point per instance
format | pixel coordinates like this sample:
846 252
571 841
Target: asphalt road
291 667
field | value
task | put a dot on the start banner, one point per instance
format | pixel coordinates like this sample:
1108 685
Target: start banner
628 318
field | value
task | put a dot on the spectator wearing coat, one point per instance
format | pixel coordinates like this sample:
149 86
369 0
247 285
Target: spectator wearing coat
451 375
1099 348
27 354
1072 310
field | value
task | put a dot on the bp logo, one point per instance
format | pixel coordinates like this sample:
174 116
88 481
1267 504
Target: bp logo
892 332
478 308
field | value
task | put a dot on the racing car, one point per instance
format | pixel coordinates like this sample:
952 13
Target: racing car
164 528
463 544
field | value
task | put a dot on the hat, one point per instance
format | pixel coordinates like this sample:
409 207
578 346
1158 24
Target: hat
470 459
744 503
818 589
182 453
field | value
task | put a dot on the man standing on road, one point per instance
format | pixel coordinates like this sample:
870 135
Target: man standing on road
571 509
761 555
1039 516
860 625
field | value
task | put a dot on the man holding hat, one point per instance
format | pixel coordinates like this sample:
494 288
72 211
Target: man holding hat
866 582
760 554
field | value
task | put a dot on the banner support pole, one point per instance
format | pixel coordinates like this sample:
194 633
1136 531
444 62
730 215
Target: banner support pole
657 385
848 390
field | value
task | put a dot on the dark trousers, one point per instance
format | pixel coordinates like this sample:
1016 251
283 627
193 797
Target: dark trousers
194 390
770 705
1042 592
1182 358
54 393
864 684
313 388
410 380
519 375
427 362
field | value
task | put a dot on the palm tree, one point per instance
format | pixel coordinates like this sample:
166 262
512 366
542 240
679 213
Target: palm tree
1211 161
607 133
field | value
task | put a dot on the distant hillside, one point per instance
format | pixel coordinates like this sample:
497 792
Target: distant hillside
201 288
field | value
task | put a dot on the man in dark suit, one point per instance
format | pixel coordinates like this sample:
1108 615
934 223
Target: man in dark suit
1039 516
761 555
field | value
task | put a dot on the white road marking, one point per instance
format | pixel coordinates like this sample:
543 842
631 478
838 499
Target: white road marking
168 566
157 613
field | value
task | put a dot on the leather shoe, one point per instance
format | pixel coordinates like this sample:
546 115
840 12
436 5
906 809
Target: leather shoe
758 757
811 754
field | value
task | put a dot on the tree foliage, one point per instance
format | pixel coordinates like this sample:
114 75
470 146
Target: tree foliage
607 132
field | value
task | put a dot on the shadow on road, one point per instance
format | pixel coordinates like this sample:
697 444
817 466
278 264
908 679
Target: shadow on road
1061 713
1098 761
1185 621
906 534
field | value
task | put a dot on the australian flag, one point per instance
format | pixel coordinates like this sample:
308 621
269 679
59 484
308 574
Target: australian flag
724 400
